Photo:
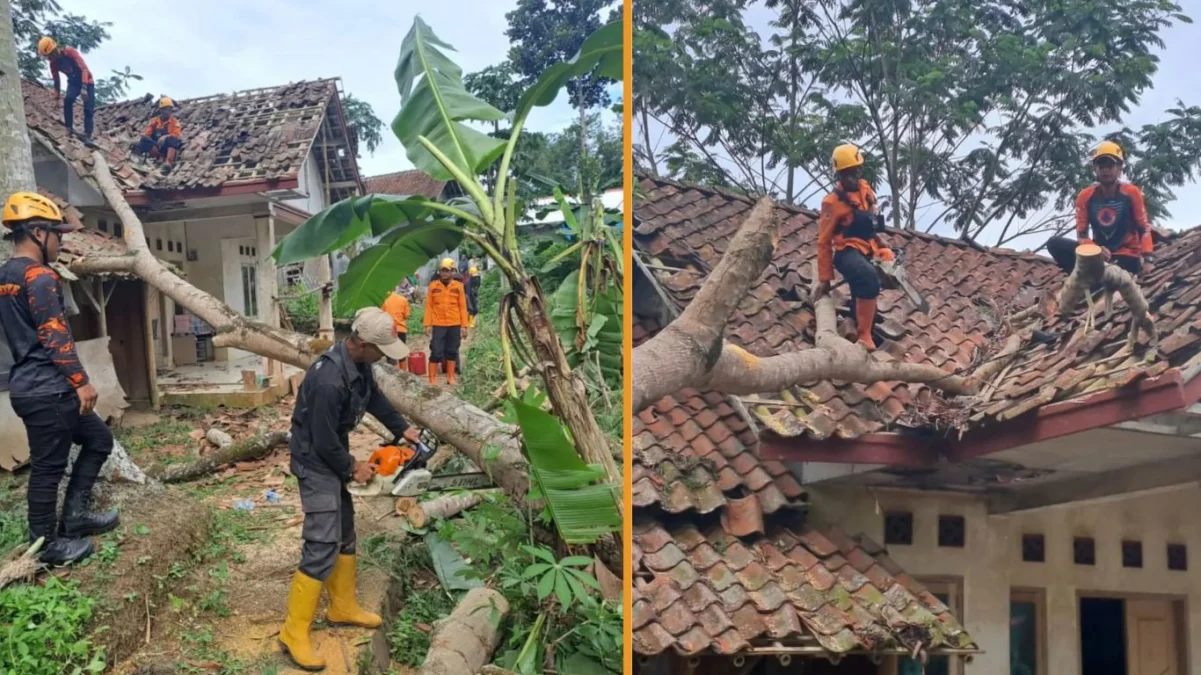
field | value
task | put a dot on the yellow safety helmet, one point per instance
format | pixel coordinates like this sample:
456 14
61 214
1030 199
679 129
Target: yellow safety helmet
1108 149
23 207
166 102
846 157
447 264
473 271
46 45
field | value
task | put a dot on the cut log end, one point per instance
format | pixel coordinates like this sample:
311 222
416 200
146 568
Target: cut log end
464 641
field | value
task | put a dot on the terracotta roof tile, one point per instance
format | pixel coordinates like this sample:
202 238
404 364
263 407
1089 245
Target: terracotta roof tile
244 137
772 597
412 182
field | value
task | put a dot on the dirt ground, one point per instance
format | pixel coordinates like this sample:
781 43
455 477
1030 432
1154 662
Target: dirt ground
222 608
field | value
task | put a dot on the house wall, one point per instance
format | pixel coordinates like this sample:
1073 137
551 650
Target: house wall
990 564
312 183
54 175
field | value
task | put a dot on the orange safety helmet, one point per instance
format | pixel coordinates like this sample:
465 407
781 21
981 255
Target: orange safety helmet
32 209
1108 149
46 45
846 157
390 458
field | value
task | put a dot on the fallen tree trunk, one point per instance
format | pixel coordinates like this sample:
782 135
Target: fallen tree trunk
451 419
464 641
1091 269
420 513
248 449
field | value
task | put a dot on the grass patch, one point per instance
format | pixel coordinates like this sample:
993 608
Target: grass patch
147 442
409 640
45 630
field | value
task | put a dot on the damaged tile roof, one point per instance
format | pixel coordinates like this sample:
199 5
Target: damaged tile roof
81 243
240 138
413 182
711 591
970 290
718 565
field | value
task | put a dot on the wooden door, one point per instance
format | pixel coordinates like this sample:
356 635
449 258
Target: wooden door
1151 638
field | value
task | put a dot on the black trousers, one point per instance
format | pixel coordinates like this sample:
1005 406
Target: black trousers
859 272
328 528
52 424
146 144
89 106
1063 252
444 343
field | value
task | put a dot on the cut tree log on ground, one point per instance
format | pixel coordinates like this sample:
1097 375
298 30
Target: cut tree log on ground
244 450
219 438
419 514
691 352
464 641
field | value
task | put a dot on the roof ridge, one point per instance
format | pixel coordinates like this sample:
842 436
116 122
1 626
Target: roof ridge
397 173
641 175
220 95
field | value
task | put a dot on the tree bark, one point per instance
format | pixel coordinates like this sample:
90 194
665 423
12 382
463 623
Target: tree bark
451 419
447 506
247 449
16 158
464 641
690 351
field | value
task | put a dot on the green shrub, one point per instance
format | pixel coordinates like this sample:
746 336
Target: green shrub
43 630
303 311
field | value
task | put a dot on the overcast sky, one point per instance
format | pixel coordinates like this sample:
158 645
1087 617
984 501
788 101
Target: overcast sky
190 49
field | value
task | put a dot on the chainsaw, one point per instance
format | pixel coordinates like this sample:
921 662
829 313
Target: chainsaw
892 272
400 472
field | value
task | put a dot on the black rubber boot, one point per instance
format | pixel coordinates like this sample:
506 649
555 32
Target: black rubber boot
78 521
58 551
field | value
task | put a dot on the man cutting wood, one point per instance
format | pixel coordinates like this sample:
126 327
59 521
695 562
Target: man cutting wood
337 390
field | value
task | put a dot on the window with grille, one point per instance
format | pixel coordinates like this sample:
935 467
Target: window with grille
898 528
1034 548
952 531
1132 554
1084 551
1177 557
250 295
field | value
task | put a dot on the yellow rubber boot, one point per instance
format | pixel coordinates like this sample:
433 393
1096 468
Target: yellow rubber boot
294 636
344 608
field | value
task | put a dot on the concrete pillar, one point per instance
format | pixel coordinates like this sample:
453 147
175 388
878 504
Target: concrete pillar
264 228
325 325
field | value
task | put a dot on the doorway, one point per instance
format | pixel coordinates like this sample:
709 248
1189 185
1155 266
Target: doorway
1128 636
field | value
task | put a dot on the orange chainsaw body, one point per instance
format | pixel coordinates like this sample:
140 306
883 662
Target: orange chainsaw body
390 458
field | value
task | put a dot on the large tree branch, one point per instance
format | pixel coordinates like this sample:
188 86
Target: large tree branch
689 352
453 420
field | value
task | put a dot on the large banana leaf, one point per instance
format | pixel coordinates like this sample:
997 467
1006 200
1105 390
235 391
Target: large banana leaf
434 103
375 272
347 221
581 509
602 325
601 52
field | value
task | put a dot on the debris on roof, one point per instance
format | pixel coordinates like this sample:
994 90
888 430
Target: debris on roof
408 183
970 289
82 243
229 139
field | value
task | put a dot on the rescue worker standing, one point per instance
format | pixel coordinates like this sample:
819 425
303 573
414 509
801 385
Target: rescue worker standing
848 239
397 306
69 62
1113 213
48 386
335 393
447 319
163 135
473 295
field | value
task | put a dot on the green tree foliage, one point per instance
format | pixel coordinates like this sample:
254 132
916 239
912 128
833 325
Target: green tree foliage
975 116
546 32
33 19
361 119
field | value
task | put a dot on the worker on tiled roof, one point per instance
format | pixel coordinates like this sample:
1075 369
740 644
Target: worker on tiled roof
397 306
1109 213
48 385
69 62
163 137
447 320
848 239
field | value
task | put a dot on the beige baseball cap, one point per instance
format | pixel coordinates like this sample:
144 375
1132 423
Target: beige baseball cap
374 325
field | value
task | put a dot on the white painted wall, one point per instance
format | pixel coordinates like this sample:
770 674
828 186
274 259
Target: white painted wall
991 562
55 176
312 184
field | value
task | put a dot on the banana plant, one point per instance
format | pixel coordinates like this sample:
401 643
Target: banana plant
433 126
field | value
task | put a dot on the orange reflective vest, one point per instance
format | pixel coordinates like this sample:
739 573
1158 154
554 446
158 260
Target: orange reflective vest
446 304
837 228
398 306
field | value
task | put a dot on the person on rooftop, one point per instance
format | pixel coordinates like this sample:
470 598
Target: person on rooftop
1109 213
163 136
69 62
848 239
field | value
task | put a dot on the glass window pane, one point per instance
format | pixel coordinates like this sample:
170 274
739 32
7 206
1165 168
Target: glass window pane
1023 638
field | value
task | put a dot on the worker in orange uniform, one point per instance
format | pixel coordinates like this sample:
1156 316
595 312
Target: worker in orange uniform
163 137
69 62
848 239
1113 213
446 317
397 305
